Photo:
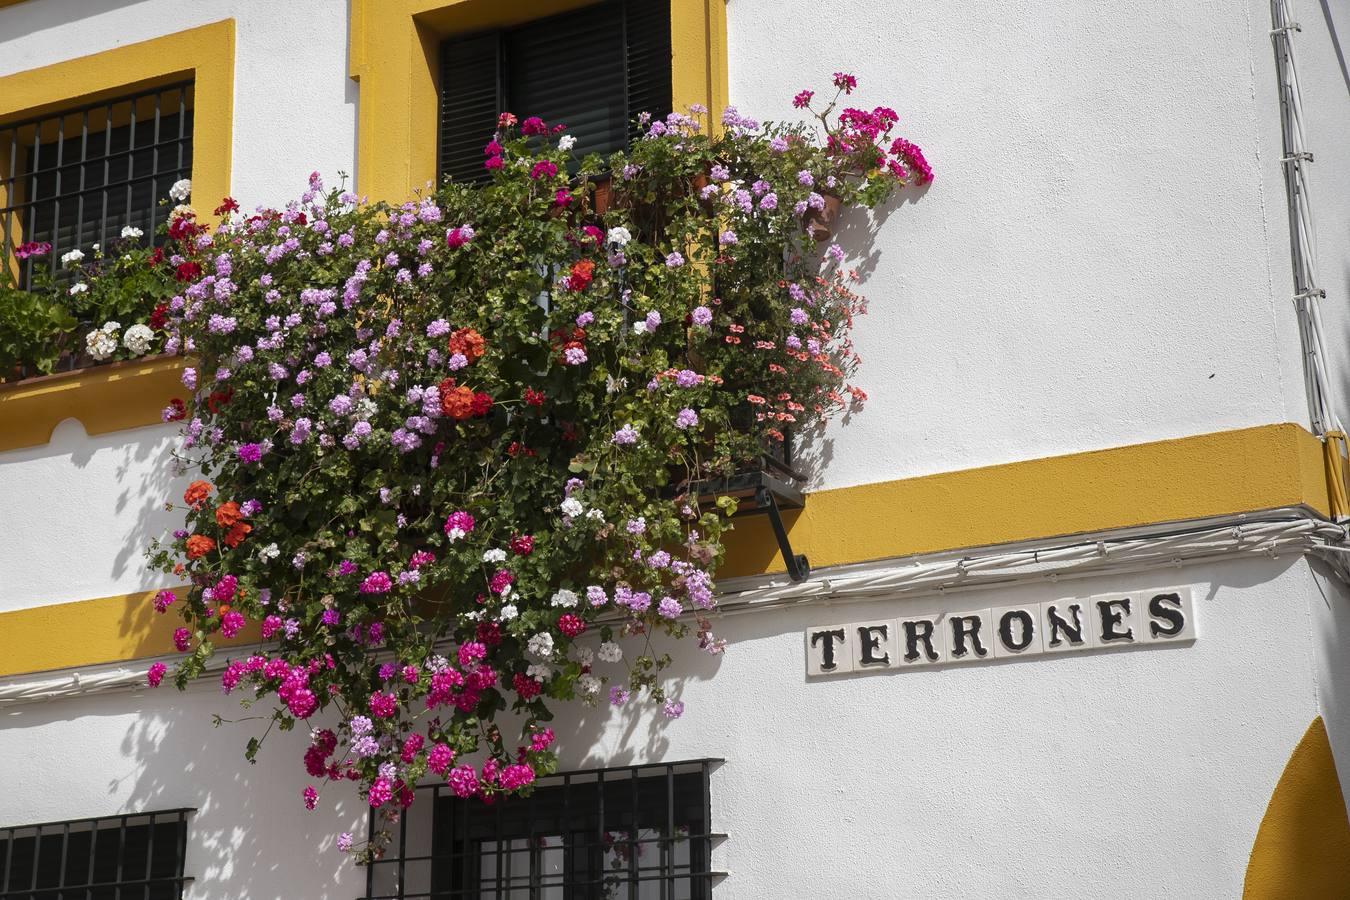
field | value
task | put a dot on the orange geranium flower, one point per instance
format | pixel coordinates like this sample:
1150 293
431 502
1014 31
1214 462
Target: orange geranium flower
235 536
196 493
468 342
457 403
199 545
227 514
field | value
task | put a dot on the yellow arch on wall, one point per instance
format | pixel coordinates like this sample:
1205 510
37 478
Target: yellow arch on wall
1302 849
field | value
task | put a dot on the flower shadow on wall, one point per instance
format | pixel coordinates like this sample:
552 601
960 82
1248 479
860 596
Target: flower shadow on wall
453 454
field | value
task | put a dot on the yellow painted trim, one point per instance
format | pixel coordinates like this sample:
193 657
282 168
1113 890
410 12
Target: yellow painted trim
1249 470
393 52
104 398
1195 477
91 632
1302 848
206 53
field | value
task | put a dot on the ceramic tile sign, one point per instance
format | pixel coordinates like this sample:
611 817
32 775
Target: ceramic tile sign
1002 632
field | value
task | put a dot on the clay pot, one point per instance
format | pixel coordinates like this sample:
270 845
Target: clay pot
820 223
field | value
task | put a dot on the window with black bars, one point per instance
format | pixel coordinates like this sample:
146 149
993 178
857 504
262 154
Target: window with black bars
77 178
593 69
132 857
630 833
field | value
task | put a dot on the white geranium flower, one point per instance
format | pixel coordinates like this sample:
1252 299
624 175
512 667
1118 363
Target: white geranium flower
495 555
269 553
181 190
583 655
595 515
564 597
539 672
619 236
566 142
79 288
101 343
589 684
508 612
138 338
132 232
541 645
609 652
71 257
572 507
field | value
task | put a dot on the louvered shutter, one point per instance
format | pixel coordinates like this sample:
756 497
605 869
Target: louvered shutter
647 34
470 101
593 70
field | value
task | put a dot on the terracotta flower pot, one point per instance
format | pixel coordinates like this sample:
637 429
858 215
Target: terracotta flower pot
820 223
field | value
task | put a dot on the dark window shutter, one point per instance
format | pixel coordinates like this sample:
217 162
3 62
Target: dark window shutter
593 70
470 102
569 69
647 33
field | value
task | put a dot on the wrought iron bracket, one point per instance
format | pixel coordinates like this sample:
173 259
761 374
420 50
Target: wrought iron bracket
762 493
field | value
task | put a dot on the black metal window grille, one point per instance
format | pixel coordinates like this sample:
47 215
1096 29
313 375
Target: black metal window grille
138 856
77 178
631 833
593 69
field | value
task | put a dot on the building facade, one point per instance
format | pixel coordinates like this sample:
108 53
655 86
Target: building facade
1103 420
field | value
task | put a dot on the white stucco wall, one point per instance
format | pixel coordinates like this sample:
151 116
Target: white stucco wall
1101 261
1142 772
294 107
80 511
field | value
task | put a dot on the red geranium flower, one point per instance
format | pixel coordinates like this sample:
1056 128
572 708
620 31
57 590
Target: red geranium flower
228 205
533 397
188 271
159 316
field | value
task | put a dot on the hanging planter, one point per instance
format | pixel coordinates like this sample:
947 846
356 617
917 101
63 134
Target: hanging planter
523 414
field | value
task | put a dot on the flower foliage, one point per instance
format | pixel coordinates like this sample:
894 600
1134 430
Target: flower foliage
452 455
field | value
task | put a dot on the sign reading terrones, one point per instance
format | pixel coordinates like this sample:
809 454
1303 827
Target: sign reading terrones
998 632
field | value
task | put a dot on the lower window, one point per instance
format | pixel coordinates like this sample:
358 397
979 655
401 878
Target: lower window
136 855
632 833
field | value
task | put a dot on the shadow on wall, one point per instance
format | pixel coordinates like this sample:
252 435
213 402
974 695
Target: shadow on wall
250 838
30 18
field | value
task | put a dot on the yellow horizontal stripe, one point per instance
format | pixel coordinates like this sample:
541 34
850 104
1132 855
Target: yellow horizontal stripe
104 398
91 632
1229 472
1217 474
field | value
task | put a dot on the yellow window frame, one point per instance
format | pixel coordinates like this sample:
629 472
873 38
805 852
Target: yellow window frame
204 54
395 45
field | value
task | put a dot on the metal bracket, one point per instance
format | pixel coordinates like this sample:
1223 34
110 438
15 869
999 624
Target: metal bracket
799 568
760 492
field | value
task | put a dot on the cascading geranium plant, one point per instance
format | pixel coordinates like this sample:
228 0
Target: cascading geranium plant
450 453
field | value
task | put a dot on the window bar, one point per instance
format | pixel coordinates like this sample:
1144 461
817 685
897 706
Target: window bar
9 857
634 834
182 847
402 851
182 122
534 848
154 172
668 846
32 209
79 198
600 795
37 851
107 170
370 869
121 853
131 162
627 75
65 849
498 836
93 855
56 201
12 184
569 849
149 857
705 864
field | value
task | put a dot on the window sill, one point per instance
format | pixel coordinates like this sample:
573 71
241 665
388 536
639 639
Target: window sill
104 398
